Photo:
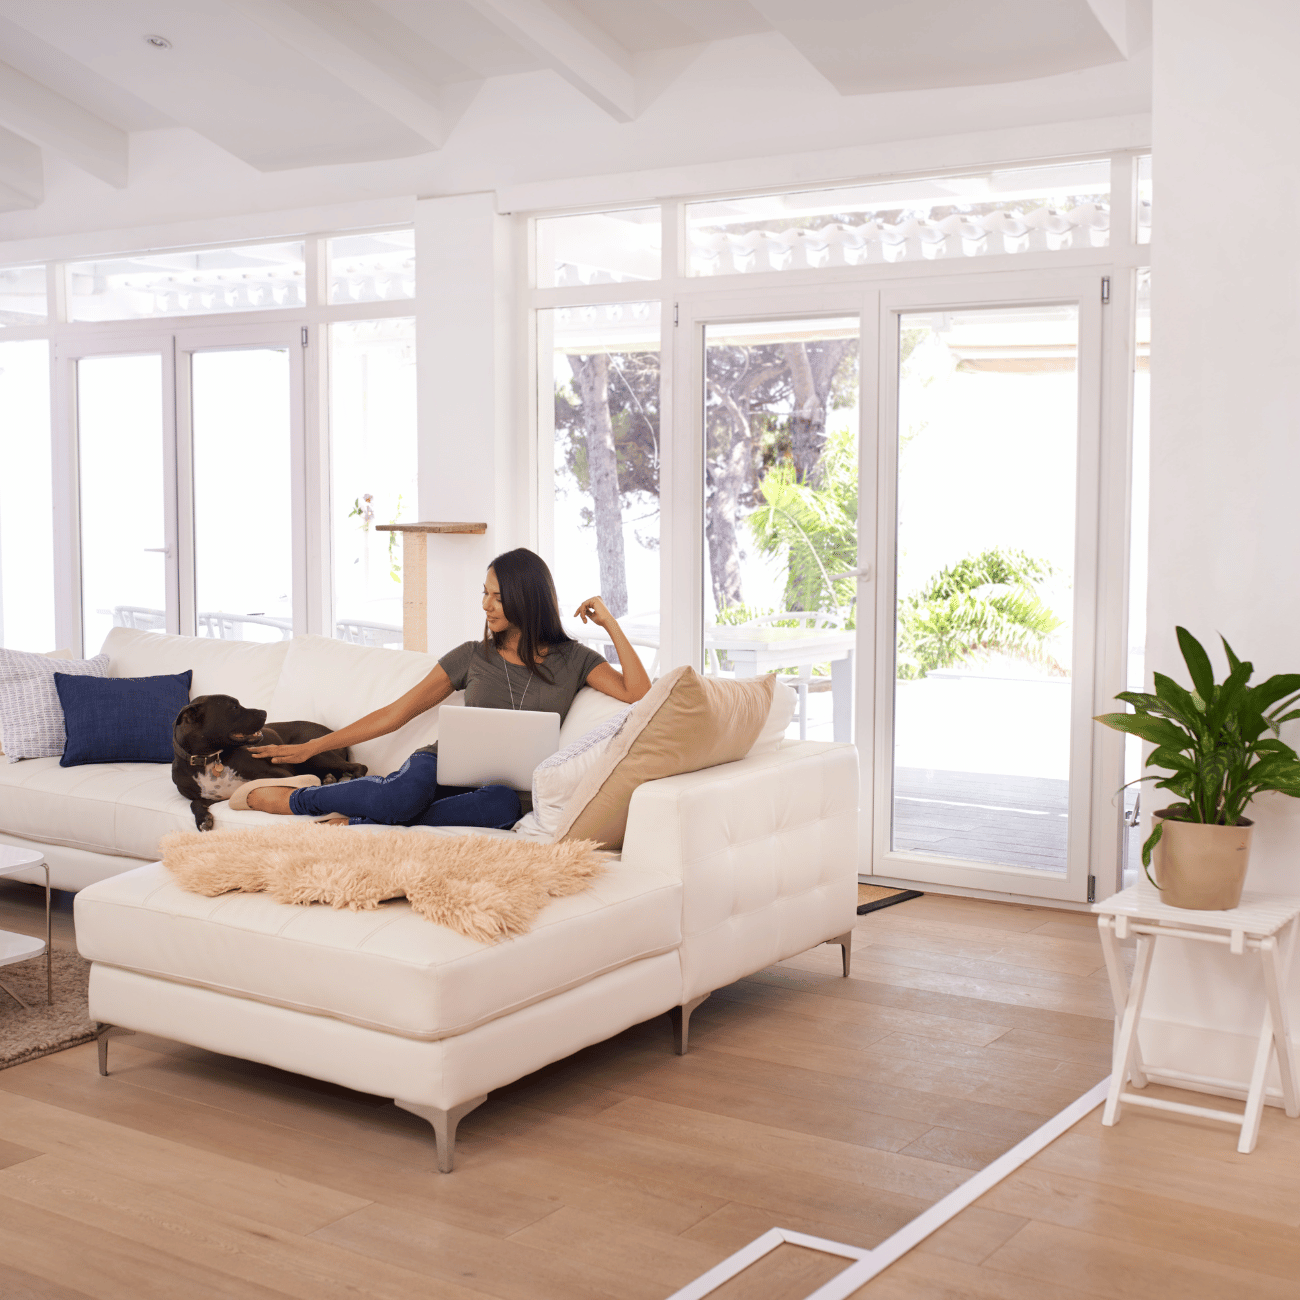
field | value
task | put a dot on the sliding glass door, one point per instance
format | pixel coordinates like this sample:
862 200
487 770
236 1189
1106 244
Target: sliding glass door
123 458
780 554
189 463
989 455
241 426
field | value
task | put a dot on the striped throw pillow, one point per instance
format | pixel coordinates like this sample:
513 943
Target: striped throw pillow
31 718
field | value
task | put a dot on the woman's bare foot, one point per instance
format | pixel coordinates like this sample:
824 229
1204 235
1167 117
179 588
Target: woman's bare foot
271 799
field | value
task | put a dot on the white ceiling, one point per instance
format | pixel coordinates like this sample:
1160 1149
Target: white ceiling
285 84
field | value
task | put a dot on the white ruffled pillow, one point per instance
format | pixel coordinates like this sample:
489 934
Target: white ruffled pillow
31 718
556 778
769 739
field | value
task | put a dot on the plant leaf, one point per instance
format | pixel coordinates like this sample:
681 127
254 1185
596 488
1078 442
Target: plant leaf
1157 730
1270 691
1233 661
1198 664
1170 759
1152 840
1178 701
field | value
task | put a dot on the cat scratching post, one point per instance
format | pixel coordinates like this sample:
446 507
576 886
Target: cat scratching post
415 575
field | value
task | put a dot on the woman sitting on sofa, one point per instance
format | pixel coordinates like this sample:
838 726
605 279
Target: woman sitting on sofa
525 661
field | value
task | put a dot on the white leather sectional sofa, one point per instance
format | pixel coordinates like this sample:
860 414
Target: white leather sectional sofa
723 871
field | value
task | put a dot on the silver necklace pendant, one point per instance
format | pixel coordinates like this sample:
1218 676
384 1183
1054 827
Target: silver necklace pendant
505 668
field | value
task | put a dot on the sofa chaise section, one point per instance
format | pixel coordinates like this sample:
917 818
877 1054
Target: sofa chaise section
723 871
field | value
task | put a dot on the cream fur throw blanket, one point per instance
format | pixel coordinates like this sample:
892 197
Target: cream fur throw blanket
481 886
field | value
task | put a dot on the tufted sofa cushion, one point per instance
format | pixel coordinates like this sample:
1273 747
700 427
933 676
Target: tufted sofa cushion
117 808
387 969
767 847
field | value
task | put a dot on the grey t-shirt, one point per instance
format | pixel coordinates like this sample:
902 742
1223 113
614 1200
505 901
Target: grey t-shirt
489 682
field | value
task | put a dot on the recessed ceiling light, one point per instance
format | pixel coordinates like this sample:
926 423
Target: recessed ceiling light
158 42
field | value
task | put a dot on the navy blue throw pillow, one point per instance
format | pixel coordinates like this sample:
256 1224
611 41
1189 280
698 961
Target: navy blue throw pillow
121 719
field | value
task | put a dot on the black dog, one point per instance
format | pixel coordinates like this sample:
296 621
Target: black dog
211 760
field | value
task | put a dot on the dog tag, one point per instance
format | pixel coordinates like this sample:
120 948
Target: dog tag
218 768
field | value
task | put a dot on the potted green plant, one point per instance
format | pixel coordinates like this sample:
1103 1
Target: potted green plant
1221 745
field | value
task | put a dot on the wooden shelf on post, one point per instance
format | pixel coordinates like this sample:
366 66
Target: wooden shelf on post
415 575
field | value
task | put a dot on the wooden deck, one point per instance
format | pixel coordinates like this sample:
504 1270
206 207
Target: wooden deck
1017 821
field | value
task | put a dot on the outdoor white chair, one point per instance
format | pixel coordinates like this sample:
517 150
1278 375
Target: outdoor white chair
357 632
223 626
136 616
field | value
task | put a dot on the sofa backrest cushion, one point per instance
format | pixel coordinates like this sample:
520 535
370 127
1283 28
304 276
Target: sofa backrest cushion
248 670
589 709
335 683
686 722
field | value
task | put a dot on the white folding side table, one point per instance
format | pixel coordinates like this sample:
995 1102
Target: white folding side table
23 947
1263 923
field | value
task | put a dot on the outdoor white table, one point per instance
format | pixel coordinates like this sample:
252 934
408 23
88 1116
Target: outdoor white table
23 947
1263 923
758 650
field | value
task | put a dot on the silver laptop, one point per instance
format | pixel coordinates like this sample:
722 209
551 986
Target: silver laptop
493 746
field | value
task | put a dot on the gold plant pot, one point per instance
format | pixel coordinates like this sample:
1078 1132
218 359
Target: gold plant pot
1201 867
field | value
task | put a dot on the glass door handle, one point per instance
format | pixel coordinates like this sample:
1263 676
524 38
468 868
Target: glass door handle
864 572
161 550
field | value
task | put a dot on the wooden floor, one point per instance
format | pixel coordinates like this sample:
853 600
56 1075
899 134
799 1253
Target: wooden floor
837 1108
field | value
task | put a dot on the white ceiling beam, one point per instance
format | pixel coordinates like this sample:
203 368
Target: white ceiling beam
1113 17
22 175
562 37
347 51
43 115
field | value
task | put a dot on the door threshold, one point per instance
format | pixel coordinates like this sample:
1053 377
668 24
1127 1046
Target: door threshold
987 895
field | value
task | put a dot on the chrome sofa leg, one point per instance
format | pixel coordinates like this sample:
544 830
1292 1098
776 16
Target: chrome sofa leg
103 1033
681 1018
845 942
445 1123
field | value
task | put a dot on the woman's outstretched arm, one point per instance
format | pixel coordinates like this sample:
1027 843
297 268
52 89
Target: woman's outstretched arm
432 690
633 682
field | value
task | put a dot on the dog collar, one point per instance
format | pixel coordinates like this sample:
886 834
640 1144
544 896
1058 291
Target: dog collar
202 760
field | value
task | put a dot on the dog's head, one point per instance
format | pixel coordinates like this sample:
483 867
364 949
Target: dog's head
213 722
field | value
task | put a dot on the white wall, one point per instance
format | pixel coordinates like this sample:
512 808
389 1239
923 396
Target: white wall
1225 423
467 384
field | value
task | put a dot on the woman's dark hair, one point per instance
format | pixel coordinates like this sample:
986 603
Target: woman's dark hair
529 602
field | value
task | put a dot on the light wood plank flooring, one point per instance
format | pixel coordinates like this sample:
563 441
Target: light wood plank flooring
833 1107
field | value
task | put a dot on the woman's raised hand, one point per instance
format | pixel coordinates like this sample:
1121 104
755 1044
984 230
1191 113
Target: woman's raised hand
284 753
592 610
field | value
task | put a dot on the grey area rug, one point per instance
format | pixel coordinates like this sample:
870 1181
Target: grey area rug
42 1029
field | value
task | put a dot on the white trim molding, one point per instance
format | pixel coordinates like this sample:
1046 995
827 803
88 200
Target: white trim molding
867 1264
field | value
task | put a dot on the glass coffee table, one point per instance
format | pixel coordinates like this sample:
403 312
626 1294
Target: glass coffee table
23 947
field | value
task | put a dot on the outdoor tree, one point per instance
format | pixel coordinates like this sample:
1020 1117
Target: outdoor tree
610 440
814 526
767 405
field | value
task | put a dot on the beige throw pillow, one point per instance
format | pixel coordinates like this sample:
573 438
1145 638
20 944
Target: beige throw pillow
685 723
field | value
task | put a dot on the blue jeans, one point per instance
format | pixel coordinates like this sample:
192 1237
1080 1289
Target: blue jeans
411 796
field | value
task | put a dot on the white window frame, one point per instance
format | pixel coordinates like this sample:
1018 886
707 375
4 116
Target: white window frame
313 564
693 300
